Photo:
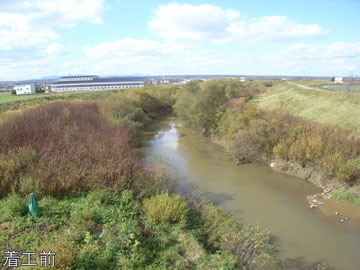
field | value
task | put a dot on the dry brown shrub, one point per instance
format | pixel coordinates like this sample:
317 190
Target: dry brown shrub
76 150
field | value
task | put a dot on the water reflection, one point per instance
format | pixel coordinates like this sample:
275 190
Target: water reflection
166 138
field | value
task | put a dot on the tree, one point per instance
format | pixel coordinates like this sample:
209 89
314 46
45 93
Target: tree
183 103
192 87
208 107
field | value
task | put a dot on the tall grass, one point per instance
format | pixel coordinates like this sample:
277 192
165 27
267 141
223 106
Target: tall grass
66 148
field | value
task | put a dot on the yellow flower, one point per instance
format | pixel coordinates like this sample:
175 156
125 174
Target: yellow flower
128 241
136 243
132 235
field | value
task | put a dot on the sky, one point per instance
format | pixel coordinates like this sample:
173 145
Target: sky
40 38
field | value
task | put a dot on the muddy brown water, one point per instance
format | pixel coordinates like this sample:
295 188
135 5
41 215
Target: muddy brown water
254 192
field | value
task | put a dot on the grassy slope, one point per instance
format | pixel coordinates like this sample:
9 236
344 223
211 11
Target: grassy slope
332 108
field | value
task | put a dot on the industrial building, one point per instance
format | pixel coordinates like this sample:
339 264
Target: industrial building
338 80
92 82
24 89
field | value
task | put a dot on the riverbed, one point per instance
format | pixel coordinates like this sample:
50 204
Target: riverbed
255 193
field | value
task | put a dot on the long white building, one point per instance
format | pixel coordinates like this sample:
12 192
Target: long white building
88 83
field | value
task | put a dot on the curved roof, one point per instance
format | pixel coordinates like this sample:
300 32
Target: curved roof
97 79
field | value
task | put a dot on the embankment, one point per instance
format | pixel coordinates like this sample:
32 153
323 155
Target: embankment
229 112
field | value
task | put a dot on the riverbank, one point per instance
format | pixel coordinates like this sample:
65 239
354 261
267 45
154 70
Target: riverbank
327 155
101 206
258 195
337 109
322 106
324 199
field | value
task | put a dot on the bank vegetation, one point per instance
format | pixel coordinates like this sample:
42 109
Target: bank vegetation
101 208
225 111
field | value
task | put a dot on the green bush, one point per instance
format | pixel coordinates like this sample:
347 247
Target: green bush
135 109
105 230
208 107
165 209
224 233
346 196
102 195
183 103
347 171
16 204
28 185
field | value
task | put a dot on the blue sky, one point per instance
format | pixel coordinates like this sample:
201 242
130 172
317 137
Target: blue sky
116 37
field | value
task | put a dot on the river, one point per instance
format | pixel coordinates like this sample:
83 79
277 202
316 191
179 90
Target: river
257 194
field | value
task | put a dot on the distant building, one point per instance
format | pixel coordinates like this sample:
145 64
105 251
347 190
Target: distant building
154 81
338 80
242 79
88 83
24 89
184 81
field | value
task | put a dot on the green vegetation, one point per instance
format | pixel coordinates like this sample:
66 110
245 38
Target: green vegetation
165 208
353 198
327 107
100 207
137 108
8 97
104 230
253 134
10 102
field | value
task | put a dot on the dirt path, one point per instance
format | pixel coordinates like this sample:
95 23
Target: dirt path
305 87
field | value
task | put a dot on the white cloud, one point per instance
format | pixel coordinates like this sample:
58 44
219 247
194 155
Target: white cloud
30 46
339 58
70 12
28 29
301 51
125 48
128 47
24 23
136 56
128 56
176 22
55 49
274 28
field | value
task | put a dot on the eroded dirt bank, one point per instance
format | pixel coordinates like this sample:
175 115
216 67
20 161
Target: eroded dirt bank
346 212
